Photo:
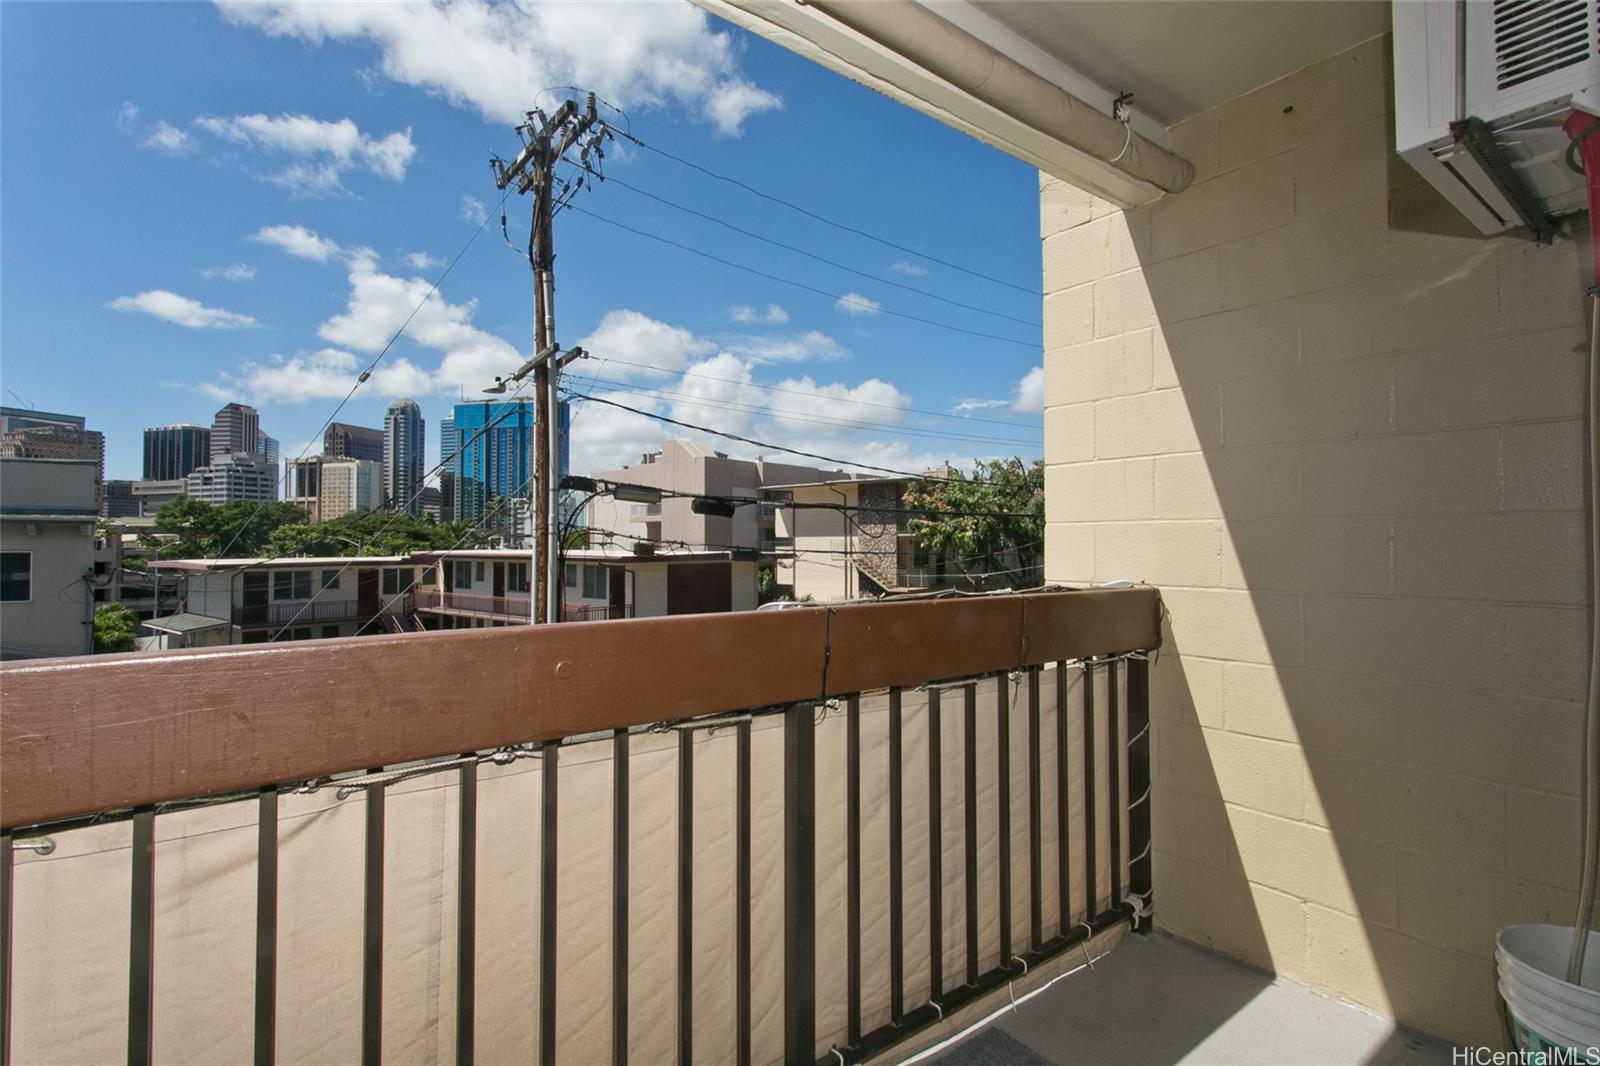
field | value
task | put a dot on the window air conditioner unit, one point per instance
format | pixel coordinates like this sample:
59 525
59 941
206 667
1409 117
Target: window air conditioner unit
1481 89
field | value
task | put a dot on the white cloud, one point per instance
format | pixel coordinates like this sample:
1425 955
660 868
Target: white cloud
773 314
855 304
127 115
638 338
802 402
422 261
327 374
1029 398
379 303
799 348
473 209
181 311
168 138
498 58
971 404
298 242
910 270
234 272
324 151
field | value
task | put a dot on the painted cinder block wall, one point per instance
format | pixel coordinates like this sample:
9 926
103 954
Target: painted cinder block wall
1343 434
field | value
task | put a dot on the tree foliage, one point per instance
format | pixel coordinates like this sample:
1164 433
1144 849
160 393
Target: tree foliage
991 519
114 628
246 529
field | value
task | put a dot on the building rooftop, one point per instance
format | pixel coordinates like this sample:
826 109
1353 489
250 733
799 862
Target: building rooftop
185 623
282 561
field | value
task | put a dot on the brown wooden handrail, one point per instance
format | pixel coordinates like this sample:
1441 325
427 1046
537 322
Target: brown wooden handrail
84 735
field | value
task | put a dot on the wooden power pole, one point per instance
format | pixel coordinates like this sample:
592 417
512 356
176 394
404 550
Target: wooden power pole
545 140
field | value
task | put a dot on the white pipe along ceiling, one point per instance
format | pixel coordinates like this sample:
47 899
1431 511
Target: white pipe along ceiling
922 37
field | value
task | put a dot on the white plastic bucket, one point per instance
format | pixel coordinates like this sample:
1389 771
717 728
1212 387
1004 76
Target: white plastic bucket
1544 1009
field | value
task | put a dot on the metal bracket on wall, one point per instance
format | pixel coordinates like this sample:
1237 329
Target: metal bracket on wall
1474 135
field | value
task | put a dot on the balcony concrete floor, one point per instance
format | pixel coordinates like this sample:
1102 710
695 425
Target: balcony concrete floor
1159 1000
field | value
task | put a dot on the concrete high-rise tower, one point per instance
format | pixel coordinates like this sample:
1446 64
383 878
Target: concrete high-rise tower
234 431
403 440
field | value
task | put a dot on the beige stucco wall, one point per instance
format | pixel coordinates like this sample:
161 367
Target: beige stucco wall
1343 435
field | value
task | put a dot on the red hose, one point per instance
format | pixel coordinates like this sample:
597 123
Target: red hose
1589 152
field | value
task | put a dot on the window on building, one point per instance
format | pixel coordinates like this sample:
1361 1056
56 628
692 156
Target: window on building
517 577
330 579
572 575
329 631
463 575
291 585
480 571
391 582
16 577
594 582
430 575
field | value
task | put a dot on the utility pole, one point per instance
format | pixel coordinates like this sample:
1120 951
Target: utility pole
545 140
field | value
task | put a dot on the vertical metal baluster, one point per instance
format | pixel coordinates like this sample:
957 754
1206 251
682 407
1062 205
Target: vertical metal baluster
897 962
619 898
141 938
1139 778
799 887
853 868
1114 755
1063 811
549 774
741 892
1035 830
7 862
685 896
1091 827
970 825
935 850
372 943
266 1023
467 914
1002 688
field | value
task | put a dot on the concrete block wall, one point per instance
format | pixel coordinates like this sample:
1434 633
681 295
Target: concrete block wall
1343 434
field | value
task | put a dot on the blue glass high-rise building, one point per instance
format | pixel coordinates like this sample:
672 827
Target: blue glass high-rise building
494 462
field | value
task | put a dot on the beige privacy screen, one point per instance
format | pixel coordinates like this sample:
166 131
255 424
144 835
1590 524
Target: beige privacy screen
72 907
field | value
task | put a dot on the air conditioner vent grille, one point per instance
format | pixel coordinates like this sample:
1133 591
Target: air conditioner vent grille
1533 38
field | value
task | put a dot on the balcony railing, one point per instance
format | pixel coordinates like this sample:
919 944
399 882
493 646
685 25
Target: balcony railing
675 900
499 607
595 612
297 612
929 578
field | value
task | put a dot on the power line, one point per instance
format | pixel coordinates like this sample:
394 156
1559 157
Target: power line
810 418
823 219
802 285
812 255
842 508
801 392
751 440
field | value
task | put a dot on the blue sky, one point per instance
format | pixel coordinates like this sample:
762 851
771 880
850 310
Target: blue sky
206 202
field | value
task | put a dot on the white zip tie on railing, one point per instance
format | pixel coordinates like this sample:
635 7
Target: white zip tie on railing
1138 801
834 1050
349 786
1140 856
1138 736
962 1034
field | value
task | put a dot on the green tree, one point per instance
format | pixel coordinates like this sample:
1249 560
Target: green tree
114 628
992 520
199 530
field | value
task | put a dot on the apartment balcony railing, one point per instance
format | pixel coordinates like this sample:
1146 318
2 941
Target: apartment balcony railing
297 612
595 612
499 607
930 578
675 900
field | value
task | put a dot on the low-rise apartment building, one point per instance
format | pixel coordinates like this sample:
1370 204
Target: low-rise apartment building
681 466
490 587
295 599
47 533
852 537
